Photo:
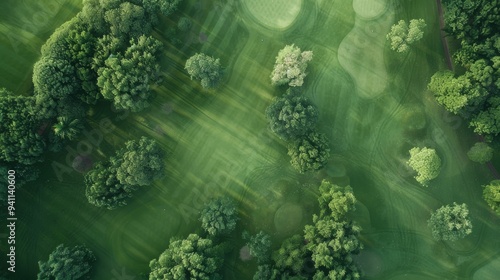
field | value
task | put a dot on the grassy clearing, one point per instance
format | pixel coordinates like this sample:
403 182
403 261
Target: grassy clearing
218 143
277 14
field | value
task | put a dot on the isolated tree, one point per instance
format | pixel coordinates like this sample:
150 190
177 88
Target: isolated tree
292 116
290 67
165 7
309 153
126 77
67 263
450 222
219 216
190 258
259 245
66 128
140 163
103 189
184 24
204 68
480 153
403 36
426 163
491 194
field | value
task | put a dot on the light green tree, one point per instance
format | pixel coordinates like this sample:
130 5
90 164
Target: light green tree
426 163
290 67
491 194
204 68
450 222
403 36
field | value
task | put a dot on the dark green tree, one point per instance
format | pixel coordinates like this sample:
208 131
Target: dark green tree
184 24
309 153
67 263
165 7
190 258
292 116
450 222
67 129
491 194
219 216
141 162
259 245
128 21
204 68
291 257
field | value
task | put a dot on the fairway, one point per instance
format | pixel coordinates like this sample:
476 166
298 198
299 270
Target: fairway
373 107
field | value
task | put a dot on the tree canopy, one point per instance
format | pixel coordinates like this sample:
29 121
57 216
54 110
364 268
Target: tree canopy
259 245
67 263
219 216
204 68
292 116
290 67
426 163
165 7
480 152
190 258
309 153
491 194
450 222
402 35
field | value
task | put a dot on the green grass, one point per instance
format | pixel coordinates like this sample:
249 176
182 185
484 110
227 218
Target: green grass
218 143
277 14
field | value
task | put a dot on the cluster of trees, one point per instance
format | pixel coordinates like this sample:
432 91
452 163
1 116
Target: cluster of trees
293 117
111 183
472 92
450 222
325 250
426 163
67 263
204 68
402 35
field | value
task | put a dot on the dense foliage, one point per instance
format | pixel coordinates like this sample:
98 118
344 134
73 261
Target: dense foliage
491 194
426 163
450 222
472 92
190 258
67 263
309 153
204 68
259 245
219 216
111 183
292 116
290 67
480 152
402 35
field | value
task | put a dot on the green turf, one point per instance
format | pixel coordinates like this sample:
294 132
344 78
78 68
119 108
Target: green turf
275 13
373 106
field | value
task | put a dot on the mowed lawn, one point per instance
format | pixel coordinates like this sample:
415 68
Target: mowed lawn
217 143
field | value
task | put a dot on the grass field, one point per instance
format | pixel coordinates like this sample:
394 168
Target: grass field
373 106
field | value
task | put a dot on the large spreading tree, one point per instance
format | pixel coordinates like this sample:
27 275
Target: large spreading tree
450 222
426 163
67 263
204 68
292 116
290 67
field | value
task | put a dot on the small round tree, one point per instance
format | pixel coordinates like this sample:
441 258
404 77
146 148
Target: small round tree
426 163
290 66
480 153
292 116
309 153
450 222
67 263
204 68
219 216
491 194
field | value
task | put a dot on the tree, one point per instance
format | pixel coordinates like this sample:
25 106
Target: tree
67 263
450 222
190 258
403 36
126 77
292 116
219 216
184 24
291 257
54 77
66 128
290 67
103 189
141 162
204 68
259 245
426 163
480 153
491 194
166 7
128 21
309 153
